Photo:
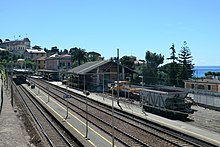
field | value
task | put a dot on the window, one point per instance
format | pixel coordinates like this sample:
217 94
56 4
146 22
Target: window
209 87
192 86
201 87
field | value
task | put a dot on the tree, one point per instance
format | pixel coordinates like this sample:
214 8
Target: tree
215 74
54 50
173 54
65 51
79 55
72 50
128 61
94 56
172 68
30 64
153 59
186 66
150 69
36 47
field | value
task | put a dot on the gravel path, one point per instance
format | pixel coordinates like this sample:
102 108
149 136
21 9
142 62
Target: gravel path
206 118
12 132
203 118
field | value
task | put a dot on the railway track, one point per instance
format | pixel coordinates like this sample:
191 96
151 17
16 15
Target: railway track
48 127
129 131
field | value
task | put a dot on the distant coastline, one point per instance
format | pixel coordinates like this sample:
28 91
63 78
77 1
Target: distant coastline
199 71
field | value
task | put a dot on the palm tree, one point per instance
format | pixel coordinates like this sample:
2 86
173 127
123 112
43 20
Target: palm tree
79 55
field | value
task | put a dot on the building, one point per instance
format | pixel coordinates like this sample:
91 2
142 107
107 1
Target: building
34 54
41 63
17 46
95 76
212 85
55 66
58 62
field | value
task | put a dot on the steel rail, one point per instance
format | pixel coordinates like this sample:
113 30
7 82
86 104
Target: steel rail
135 140
21 88
157 127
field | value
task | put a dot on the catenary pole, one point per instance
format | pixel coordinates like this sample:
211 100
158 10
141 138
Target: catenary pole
118 76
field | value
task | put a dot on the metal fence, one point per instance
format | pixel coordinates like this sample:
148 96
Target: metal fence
206 98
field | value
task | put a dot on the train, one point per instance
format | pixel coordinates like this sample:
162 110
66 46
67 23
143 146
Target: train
20 75
168 102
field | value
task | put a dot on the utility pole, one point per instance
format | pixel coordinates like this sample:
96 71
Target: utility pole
7 78
103 83
142 97
67 101
78 81
12 103
118 77
84 85
113 128
87 122
48 97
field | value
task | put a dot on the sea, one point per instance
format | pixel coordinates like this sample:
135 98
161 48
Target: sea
199 71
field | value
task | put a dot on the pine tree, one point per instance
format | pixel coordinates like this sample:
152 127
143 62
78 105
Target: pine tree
173 54
186 65
172 68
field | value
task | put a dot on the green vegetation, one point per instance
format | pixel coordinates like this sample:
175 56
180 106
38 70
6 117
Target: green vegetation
128 61
150 68
173 74
80 56
7 59
213 74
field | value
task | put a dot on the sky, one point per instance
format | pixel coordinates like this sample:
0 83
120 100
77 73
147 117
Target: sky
133 26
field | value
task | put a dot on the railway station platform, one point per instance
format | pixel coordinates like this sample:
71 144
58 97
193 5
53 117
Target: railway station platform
73 122
135 109
11 132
